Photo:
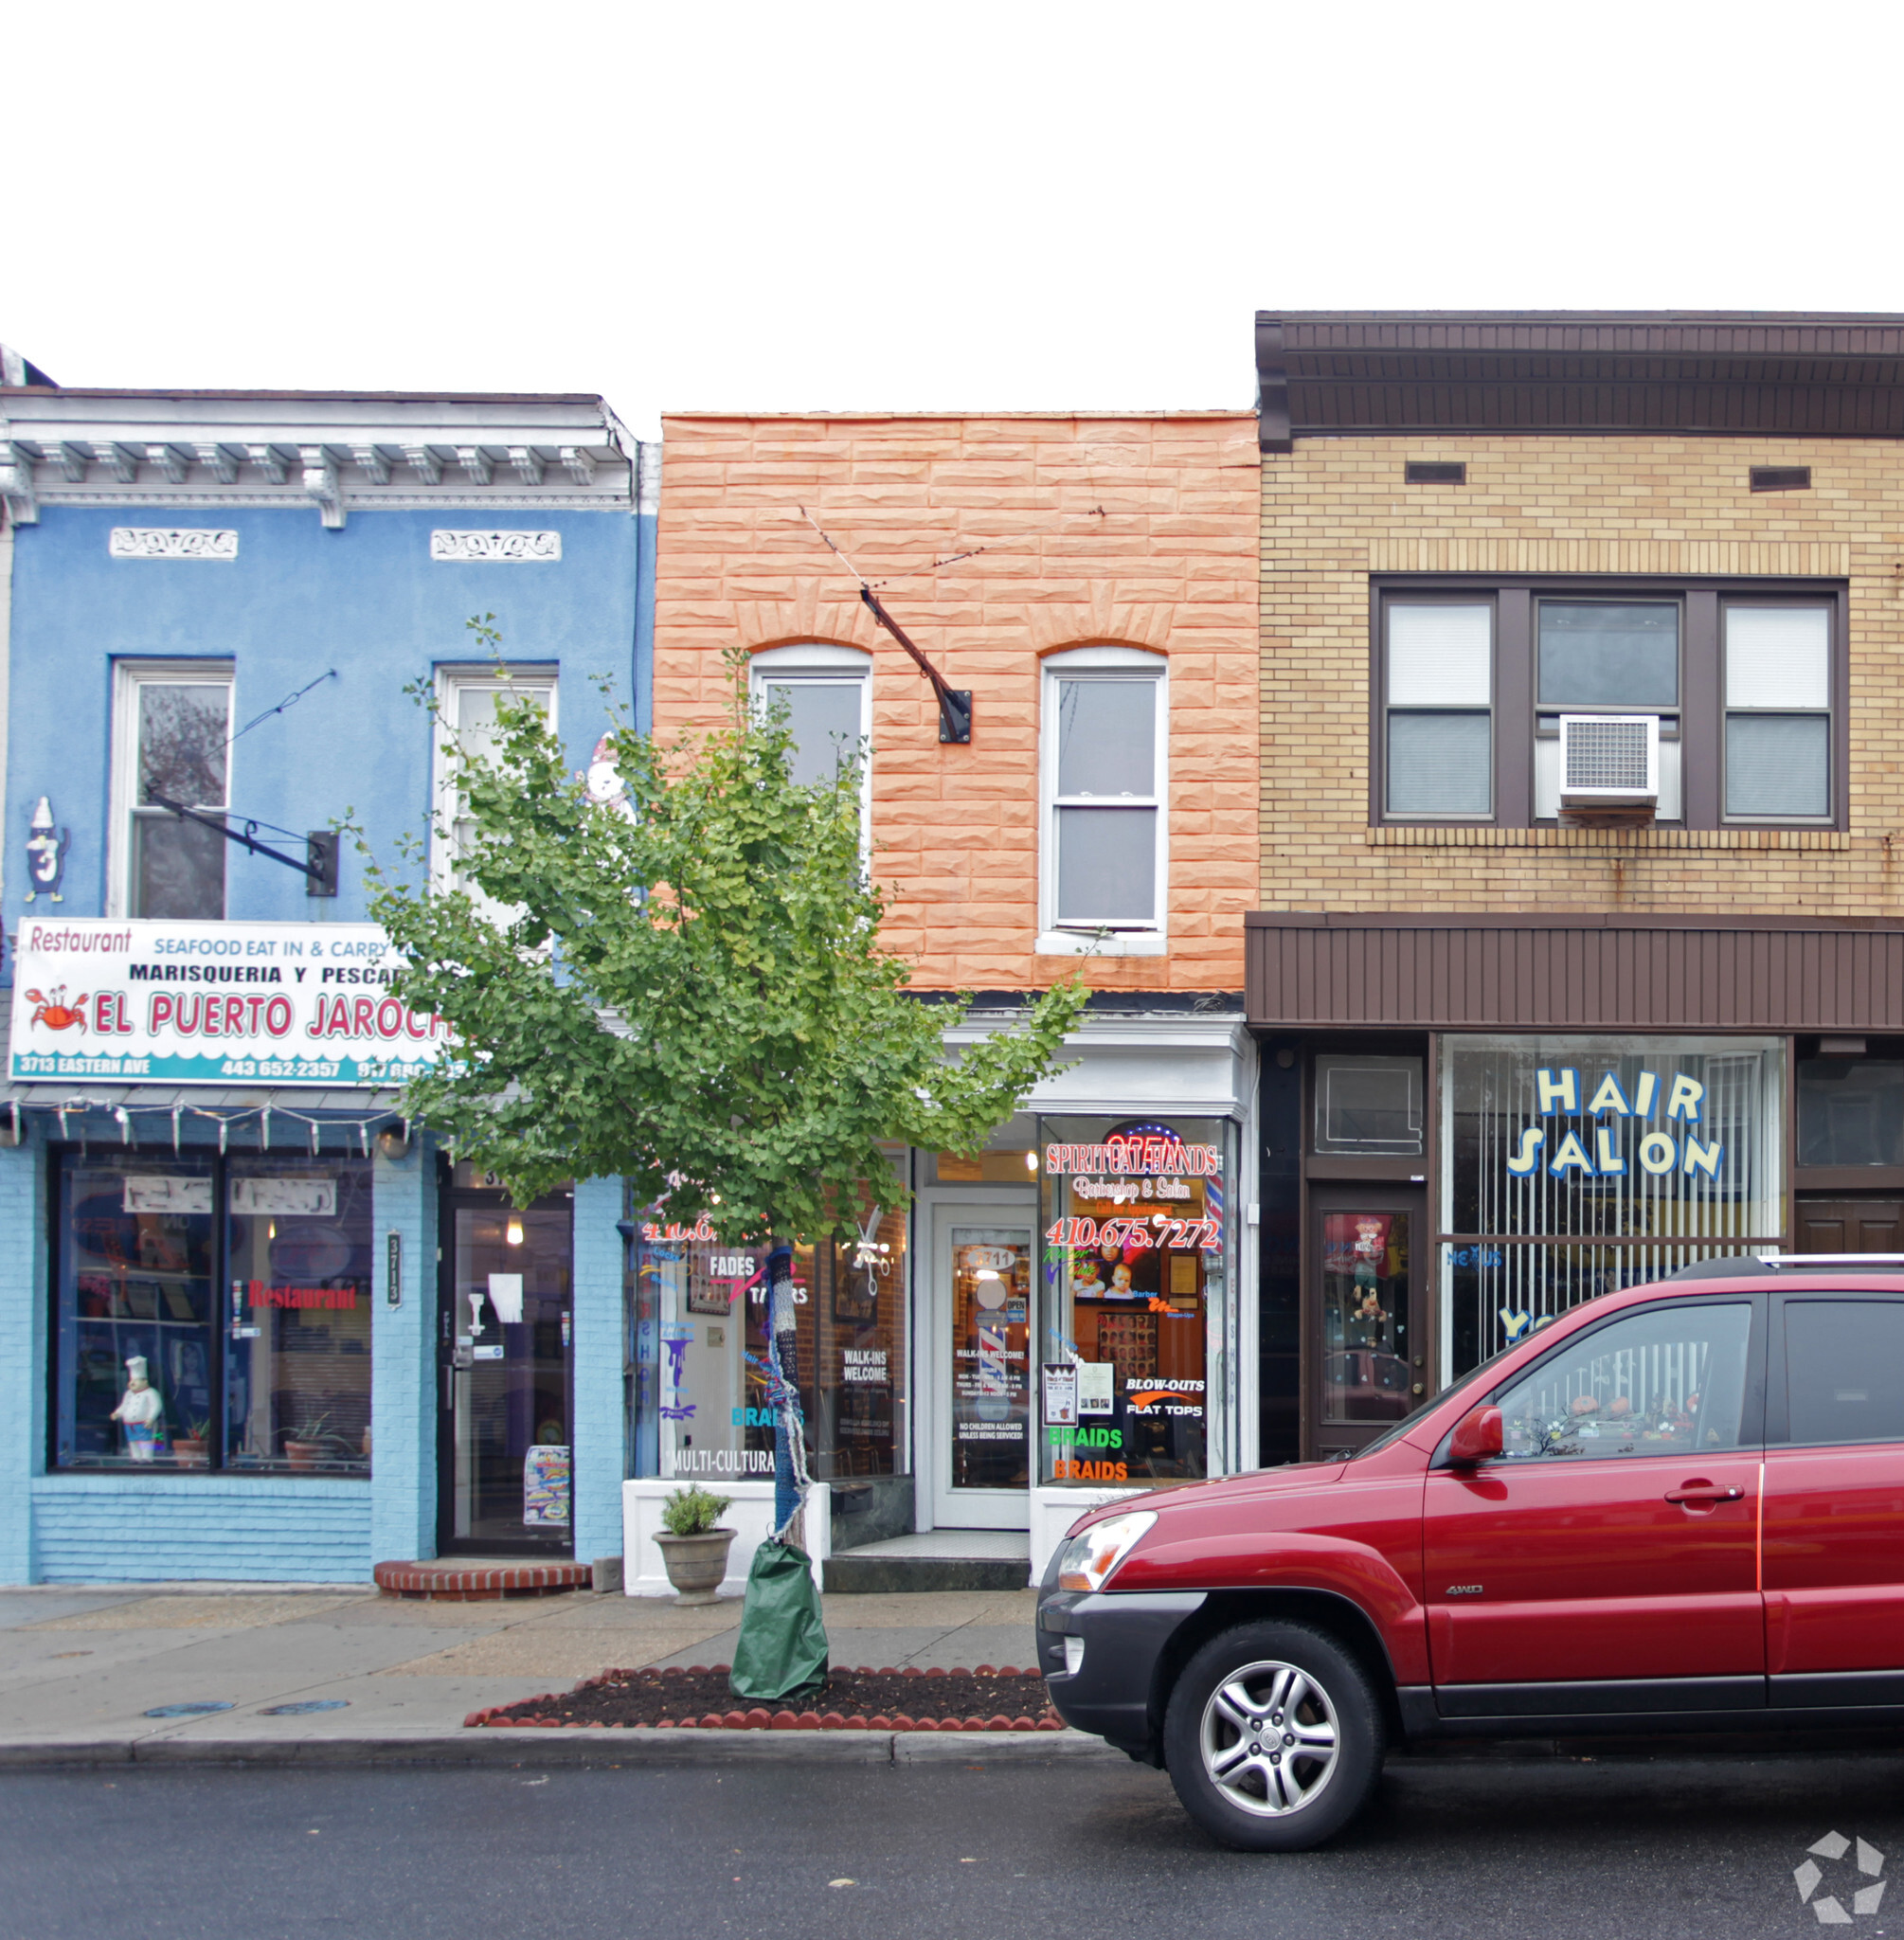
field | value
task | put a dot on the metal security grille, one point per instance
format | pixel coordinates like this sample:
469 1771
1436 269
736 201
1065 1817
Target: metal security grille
1607 754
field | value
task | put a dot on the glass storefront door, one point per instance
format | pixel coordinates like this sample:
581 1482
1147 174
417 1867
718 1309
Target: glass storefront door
982 1324
1369 1350
505 1325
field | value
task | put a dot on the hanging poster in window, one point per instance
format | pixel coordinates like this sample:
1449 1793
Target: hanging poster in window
213 1003
1061 1394
546 1475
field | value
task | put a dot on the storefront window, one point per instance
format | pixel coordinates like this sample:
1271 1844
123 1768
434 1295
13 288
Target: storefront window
699 1325
1850 1111
155 1368
297 1366
1136 1254
1572 1166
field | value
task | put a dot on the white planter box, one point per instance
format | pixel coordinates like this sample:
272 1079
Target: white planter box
750 1514
1054 1511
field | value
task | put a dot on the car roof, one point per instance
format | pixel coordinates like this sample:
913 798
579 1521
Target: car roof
1791 1271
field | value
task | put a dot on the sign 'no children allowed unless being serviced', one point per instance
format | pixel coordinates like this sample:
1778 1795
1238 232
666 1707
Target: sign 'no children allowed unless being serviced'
211 1003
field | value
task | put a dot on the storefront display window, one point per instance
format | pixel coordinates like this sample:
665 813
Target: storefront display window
189 1341
699 1325
1575 1165
1134 1291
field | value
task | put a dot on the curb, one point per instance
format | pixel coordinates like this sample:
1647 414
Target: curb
590 1746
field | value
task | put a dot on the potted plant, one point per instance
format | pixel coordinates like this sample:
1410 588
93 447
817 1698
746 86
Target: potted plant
304 1445
694 1551
190 1450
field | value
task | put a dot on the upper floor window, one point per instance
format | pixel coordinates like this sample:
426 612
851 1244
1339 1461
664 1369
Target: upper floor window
1440 720
1693 706
171 733
466 719
827 691
1778 712
1103 767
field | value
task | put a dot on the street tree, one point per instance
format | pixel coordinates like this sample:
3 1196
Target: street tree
670 970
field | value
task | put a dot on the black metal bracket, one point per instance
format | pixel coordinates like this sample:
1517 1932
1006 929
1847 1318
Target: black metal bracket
319 868
955 703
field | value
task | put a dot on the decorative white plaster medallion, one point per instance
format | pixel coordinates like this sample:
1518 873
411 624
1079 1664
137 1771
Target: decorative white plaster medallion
171 542
509 549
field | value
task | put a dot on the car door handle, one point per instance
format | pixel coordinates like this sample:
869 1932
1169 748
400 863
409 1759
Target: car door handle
1704 1493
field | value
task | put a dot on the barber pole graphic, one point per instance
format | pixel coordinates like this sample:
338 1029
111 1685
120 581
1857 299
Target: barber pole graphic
994 1381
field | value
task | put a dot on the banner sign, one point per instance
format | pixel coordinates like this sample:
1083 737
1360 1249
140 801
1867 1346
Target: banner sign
213 1003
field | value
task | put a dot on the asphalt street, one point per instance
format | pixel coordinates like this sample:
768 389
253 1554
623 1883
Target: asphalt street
1643 1847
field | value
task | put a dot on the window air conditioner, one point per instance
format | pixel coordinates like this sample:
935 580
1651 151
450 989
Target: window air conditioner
1610 762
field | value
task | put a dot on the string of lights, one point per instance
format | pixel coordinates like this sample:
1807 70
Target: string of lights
315 1124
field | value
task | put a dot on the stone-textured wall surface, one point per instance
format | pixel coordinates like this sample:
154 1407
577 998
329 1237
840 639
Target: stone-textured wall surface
1336 511
1132 531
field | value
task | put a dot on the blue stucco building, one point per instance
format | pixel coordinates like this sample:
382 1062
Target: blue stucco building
254 1325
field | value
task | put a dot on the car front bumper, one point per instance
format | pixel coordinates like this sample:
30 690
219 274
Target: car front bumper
1111 1692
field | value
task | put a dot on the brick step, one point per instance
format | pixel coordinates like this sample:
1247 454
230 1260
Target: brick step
458 1580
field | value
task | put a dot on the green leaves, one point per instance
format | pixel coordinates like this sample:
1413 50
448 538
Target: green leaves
685 986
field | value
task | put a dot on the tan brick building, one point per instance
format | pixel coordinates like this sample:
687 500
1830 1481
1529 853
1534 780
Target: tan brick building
1090 582
1580 645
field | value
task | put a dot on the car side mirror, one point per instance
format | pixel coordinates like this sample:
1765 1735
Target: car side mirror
1477 1436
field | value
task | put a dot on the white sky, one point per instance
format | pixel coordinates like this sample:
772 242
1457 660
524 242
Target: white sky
827 205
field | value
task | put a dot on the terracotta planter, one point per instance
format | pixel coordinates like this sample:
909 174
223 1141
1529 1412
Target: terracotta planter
304 1454
188 1452
696 1564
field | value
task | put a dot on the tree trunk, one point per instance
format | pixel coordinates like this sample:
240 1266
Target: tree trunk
784 1329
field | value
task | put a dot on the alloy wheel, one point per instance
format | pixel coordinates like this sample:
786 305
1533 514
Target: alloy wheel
1269 1738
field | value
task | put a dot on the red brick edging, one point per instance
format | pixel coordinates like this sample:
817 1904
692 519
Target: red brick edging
760 1719
448 1582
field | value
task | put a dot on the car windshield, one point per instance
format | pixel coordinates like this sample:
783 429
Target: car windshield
1402 1427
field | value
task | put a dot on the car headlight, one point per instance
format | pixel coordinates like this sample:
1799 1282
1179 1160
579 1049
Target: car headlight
1090 1556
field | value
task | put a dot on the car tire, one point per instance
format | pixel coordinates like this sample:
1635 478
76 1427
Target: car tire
1296 1762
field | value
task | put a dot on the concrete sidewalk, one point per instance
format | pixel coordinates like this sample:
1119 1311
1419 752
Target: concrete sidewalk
80 1668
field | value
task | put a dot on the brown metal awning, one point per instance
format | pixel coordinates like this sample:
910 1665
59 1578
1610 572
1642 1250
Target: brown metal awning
1558 973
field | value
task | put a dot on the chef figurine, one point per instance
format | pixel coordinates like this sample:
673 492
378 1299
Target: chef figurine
141 1410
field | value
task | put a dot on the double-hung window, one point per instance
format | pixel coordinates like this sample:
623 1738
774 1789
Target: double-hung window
171 731
1494 703
827 694
1778 712
1105 766
1439 721
1612 658
466 719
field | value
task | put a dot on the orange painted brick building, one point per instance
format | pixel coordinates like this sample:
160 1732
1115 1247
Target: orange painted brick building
1138 533
1100 607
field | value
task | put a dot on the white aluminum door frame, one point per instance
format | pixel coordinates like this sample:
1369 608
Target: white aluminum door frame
940 1506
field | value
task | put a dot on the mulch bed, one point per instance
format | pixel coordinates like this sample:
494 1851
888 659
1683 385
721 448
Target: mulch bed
699 1699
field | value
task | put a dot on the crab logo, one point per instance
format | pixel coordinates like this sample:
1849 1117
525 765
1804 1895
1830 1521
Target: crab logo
55 1012
1828 1906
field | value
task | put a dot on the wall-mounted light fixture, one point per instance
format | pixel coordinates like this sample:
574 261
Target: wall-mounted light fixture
513 1231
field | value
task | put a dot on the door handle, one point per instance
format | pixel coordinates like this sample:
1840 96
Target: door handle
1705 1494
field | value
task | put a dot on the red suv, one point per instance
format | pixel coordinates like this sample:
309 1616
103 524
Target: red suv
1678 1507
